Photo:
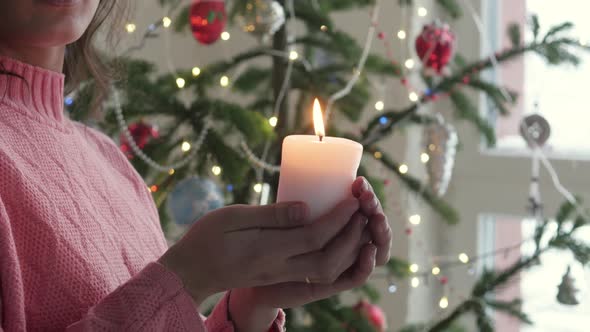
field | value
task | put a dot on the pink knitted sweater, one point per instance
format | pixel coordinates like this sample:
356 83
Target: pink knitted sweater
79 231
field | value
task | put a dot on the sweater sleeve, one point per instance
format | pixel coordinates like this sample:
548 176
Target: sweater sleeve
219 320
153 300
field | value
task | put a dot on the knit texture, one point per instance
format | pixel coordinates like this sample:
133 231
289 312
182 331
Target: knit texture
79 230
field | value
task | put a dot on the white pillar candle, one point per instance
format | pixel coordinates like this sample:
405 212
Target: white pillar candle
318 170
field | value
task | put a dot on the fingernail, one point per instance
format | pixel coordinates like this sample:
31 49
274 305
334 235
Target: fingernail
365 184
296 212
374 202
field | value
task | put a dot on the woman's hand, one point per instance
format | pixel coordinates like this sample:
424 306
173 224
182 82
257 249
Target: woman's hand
245 246
378 224
247 305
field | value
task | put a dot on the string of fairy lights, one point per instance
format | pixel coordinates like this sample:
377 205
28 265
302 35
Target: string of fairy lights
414 220
434 266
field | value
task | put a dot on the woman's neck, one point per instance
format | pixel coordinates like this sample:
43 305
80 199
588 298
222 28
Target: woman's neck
51 58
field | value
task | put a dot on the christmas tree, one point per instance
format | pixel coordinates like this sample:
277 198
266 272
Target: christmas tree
238 141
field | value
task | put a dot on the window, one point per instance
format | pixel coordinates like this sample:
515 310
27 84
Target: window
538 285
560 91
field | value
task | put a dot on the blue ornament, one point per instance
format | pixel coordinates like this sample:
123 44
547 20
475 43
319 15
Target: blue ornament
383 120
192 198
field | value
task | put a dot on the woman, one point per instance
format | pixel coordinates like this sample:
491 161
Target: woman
81 246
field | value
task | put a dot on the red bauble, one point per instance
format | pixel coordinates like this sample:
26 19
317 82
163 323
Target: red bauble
435 46
207 18
142 133
373 314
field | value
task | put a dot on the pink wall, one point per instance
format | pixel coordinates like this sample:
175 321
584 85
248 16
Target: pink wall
512 72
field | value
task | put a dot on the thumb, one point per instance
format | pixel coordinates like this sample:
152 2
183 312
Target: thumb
280 215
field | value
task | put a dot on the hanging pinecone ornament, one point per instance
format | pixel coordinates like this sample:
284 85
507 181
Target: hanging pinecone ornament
373 313
441 140
142 133
207 19
435 46
262 18
566 291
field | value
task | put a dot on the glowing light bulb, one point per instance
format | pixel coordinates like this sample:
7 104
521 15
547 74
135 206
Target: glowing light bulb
463 258
166 21
403 168
424 157
225 36
180 82
422 12
186 146
154 188
293 55
409 63
196 71
415 219
443 303
414 268
224 81
401 34
378 155
171 171
258 187
415 282
413 96
216 170
392 288
379 105
324 28
273 121
435 270
130 27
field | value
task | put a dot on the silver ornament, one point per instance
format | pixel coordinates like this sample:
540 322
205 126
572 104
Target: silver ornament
441 142
262 17
192 198
535 130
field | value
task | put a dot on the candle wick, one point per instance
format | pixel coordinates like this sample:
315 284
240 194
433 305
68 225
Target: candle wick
321 138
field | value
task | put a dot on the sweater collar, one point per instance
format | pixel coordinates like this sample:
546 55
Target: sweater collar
39 91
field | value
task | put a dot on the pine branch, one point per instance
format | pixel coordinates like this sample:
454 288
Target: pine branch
553 50
466 110
452 7
512 308
448 214
489 281
463 308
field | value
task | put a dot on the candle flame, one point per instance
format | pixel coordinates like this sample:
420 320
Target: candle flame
318 119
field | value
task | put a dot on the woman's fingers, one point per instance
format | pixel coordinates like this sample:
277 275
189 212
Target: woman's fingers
381 235
312 237
354 277
359 186
326 265
360 272
280 215
353 257
361 189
